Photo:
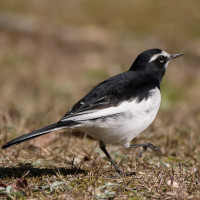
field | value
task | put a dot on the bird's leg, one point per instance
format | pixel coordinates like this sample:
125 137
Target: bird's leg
145 146
103 148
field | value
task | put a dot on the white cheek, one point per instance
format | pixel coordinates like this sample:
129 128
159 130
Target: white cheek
166 64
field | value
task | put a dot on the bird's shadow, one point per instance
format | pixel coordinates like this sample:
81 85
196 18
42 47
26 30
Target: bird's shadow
30 171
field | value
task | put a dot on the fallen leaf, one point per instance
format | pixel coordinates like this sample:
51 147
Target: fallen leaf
170 193
3 185
55 184
9 189
21 183
174 184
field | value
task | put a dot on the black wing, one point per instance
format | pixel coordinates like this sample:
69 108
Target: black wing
111 92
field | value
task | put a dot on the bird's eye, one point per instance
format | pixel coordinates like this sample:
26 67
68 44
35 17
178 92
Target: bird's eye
161 59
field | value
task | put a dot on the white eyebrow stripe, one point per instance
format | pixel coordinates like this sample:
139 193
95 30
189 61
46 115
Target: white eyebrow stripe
163 53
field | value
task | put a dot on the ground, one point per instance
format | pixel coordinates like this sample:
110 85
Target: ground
50 58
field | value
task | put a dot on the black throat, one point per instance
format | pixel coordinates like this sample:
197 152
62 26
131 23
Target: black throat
154 74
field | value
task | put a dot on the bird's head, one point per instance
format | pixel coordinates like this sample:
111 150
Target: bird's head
153 61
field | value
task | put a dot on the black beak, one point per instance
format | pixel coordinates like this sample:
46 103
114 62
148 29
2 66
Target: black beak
172 56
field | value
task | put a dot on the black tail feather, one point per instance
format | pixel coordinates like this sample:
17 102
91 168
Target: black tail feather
39 132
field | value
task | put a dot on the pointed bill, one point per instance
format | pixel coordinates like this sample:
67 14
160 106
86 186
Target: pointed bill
172 56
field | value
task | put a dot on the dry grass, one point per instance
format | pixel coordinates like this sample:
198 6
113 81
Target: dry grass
51 58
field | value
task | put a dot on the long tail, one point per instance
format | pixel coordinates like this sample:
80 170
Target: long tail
39 132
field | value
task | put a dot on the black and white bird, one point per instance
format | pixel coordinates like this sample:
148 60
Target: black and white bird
119 108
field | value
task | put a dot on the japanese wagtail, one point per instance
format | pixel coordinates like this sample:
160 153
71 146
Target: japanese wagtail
119 108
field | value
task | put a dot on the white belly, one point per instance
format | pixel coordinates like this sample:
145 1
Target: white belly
126 121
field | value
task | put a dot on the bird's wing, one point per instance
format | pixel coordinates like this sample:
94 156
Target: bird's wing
97 99
110 93
102 96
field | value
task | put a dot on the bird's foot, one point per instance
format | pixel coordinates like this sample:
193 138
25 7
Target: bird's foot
121 173
130 173
145 146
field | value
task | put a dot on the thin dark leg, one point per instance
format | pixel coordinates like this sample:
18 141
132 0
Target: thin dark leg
103 148
145 146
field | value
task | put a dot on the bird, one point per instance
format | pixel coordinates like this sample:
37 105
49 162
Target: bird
119 108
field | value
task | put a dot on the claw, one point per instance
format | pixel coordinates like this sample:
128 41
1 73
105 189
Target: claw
130 173
151 146
145 146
